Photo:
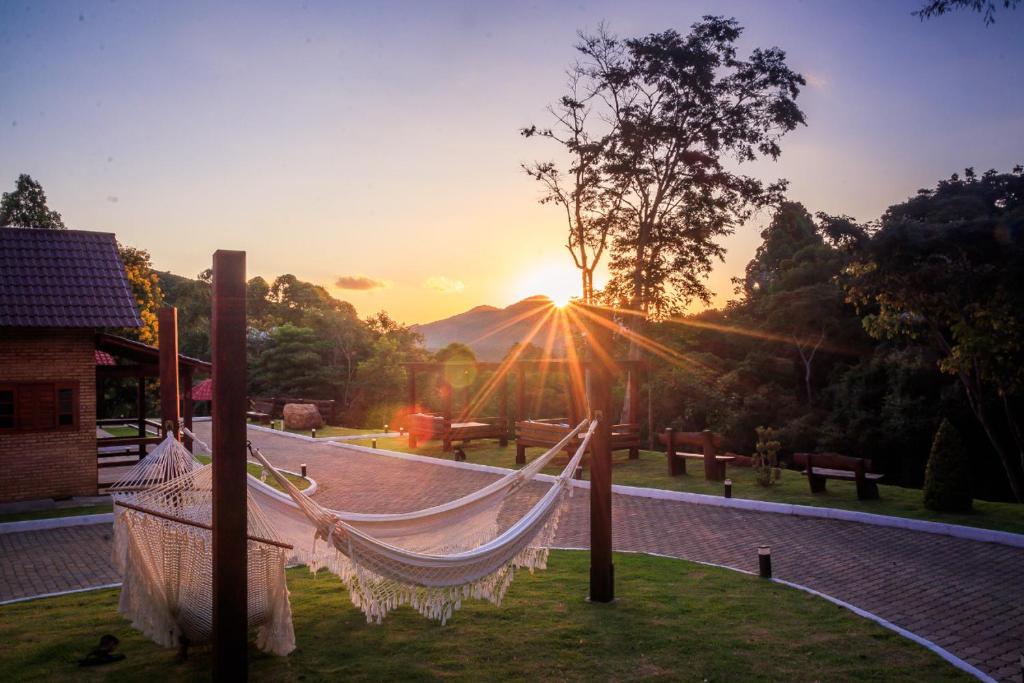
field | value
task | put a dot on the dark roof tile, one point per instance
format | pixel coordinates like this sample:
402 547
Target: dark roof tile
63 278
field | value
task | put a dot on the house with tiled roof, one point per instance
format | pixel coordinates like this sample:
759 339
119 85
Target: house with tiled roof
61 292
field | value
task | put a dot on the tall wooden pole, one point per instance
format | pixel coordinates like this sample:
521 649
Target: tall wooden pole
602 571
170 415
634 405
187 405
230 579
503 410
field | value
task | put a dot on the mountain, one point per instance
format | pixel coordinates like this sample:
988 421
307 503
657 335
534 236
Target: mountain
490 331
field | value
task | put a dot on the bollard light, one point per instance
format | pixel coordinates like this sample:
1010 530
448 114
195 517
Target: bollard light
385 429
764 561
728 488
313 432
374 442
302 469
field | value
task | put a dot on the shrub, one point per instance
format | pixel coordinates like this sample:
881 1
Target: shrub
766 457
947 479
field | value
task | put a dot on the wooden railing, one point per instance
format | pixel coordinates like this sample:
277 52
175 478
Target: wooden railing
111 451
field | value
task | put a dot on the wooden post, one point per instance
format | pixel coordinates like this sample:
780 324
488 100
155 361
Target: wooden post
674 461
503 410
520 393
713 470
230 578
170 416
187 405
634 406
602 571
412 404
140 406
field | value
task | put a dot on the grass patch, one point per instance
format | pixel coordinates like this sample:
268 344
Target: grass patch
256 470
122 431
650 470
50 513
672 620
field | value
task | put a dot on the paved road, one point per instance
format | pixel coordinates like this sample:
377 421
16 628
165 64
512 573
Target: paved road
964 595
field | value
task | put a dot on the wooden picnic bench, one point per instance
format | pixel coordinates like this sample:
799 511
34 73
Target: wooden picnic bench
430 426
820 467
548 432
707 441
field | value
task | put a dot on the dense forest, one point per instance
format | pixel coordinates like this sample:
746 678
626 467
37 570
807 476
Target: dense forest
848 337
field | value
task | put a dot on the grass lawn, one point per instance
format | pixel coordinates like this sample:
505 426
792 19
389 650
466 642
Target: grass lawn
50 513
121 431
651 471
672 620
256 470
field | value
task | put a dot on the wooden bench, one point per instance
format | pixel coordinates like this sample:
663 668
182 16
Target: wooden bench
707 441
820 467
547 433
431 426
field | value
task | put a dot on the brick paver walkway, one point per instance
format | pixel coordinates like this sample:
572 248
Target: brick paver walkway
966 596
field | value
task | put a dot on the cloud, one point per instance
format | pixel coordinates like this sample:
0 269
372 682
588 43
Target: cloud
358 282
443 284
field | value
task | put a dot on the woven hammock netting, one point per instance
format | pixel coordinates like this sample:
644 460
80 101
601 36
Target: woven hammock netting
430 559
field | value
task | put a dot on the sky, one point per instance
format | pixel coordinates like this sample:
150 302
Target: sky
373 148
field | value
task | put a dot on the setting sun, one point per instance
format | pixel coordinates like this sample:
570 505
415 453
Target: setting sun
558 282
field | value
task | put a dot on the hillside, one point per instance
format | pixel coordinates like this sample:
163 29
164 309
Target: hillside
490 331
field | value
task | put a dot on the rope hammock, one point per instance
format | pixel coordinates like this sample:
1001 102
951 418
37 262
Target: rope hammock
431 559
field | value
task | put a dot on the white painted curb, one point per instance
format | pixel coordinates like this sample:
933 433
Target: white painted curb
56 523
924 526
108 517
60 593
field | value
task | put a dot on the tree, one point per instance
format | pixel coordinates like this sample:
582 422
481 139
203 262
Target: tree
145 285
947 480
293 364
26 207
791 284
681 105
936 8
945 270
590 203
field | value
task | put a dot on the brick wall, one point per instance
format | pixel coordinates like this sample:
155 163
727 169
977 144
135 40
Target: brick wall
50 464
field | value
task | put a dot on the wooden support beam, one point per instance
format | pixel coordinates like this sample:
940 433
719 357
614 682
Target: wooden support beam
503 410
170 417
520 393
230 578
140 407
602 571
633 381
187 404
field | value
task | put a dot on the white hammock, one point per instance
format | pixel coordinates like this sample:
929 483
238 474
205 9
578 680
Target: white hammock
433 558
163 550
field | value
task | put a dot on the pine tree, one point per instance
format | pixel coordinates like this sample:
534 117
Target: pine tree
947 480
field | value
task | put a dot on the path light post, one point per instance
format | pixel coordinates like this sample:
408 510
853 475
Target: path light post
230 577
728 488
764 561
302 468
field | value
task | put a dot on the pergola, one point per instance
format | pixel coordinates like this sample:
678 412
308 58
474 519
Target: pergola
143 363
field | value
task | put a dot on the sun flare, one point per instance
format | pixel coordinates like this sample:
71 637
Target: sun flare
553 280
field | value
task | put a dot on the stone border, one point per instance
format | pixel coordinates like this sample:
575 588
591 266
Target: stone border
924 526
323 439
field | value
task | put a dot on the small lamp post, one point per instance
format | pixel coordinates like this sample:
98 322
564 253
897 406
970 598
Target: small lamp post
728 488
312 432
302 469
764 561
